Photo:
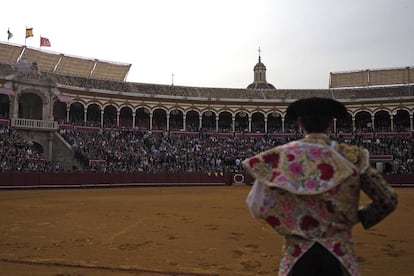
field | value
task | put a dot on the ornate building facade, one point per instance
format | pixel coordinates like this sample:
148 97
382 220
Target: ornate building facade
35 97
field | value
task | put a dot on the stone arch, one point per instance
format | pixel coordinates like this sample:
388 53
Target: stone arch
258 122
30 106
241 121
125 116
225 122
142 117
4 106
192 120
344 124
159 119
274 122
37 147
363 121
76 113
59 111
93 114
401 120
208 120
382 120
110 116
176 119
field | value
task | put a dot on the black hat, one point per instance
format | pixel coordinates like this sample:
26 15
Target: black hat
324 107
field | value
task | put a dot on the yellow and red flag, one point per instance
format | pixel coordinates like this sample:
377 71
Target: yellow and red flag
29 32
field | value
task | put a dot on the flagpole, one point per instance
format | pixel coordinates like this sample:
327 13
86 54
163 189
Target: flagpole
25 36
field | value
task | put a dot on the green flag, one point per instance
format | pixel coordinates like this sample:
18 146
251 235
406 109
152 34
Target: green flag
9 34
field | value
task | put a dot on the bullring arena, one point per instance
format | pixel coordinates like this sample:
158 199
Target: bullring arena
101 176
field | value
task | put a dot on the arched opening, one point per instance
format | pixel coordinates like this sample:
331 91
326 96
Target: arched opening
208 121
291 125
241 121
125 117
142 118
363 122
382 121
192 121
274 122
176 119
159 119
109 117
225 123
93 115
30 106
76 113
59 111
4 106
344 124
402 120
37 147
258 123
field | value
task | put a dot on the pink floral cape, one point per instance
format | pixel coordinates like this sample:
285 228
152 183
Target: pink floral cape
300 167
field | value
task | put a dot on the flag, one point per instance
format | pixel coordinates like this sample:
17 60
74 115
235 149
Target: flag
44 42
29 32
9 34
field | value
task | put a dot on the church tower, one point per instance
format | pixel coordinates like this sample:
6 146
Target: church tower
259 81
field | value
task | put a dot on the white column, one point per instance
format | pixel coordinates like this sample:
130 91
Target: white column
265 124
102 116
233 118
15 110
353 123
85 114
184 125
150 120
250 123
217 121
134 114
67 112
50 146
392 122
283 125
168 121
200 121
373 123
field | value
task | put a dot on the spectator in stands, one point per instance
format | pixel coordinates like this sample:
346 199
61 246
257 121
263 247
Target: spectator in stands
308 191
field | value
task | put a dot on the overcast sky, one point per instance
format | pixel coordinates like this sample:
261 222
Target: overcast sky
214 43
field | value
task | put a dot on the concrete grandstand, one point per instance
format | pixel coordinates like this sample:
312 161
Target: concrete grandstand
44 96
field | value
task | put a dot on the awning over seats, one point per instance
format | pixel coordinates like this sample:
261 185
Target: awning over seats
6 91
65 99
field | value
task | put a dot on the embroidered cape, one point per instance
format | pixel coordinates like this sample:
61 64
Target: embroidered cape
308 191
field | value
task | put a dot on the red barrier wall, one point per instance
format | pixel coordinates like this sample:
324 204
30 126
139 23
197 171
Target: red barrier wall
76 179
34 179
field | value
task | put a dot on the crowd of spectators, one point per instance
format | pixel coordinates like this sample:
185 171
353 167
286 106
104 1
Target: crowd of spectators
19 155
140 150
109 150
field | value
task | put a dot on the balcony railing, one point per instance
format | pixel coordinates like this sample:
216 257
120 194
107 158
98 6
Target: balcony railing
34 124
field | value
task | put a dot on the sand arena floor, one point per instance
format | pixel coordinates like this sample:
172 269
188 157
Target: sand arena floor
167 231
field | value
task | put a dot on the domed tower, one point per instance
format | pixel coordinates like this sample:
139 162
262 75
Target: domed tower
260 77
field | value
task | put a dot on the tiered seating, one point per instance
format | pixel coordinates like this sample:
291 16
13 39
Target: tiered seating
112 150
